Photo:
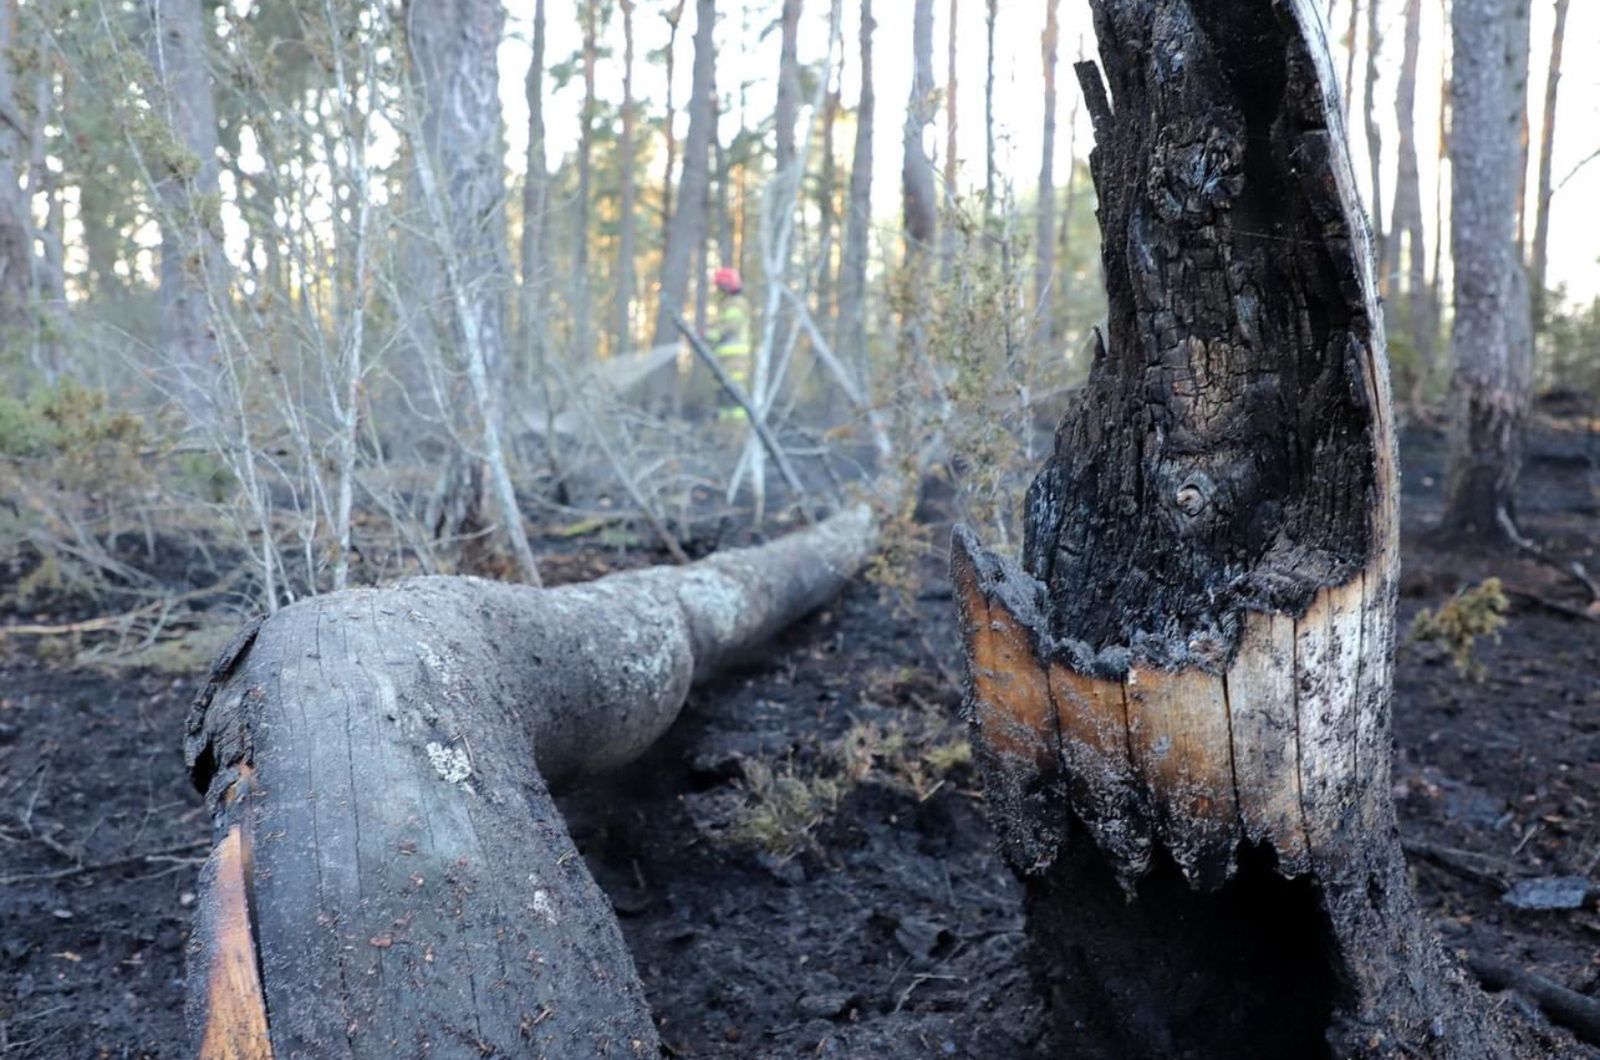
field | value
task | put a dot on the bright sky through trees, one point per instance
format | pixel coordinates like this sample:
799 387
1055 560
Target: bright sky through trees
747 58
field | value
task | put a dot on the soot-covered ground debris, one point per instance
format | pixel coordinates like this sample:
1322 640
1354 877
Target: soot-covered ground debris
802 866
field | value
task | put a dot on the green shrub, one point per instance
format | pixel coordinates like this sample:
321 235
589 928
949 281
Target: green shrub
1476 611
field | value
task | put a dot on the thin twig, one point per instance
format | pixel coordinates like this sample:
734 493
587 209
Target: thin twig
639 501
94 625
149 856
737 393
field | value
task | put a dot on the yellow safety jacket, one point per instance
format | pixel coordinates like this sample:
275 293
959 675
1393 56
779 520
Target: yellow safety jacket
732 338
731 344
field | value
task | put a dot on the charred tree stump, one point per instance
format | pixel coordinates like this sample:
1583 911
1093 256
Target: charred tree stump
1180 698
391 878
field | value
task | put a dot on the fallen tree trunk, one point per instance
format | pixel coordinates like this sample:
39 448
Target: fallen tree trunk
391 877
1180 699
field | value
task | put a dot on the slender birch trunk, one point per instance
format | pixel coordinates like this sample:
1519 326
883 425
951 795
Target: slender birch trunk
1539 255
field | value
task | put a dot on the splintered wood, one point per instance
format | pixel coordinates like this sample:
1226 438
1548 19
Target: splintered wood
1271 751
235 1022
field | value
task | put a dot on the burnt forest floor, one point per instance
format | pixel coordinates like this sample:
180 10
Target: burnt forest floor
802 866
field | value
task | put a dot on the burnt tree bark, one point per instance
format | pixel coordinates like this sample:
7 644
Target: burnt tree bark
390 876
1180 697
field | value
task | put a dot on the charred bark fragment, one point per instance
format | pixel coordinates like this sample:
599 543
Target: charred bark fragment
1180 698
391 877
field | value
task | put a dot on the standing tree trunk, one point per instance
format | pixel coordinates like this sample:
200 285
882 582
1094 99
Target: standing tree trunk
1351 32
391 878
827 205
1369 111
1491 340
623 339
989 190
1070 196
535 211
722 207
948 248
918 188
674 17
852 336
778 206
458 177
686 230
16 223
788 107
1180 698
1045 263
186 173
49 264
1405 223
1540 254
582 325
1441 159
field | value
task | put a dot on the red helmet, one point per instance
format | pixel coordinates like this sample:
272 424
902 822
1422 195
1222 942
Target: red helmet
728 281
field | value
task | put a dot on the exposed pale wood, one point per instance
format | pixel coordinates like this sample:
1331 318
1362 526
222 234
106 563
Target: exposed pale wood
1010 709
1265 729
1097 758
235 1008
1178 730
1326 648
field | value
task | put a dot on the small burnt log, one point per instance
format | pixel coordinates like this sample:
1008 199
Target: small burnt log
1180 697
391 877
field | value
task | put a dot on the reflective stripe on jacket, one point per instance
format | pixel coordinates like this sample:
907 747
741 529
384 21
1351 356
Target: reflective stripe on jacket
733 329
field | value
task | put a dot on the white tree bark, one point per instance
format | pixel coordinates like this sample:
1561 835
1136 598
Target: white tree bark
457 172
1491 339
186 177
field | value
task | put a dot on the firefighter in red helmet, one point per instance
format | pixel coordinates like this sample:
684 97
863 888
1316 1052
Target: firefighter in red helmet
730 335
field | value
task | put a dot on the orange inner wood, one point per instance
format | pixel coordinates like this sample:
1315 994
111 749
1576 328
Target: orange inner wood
1016 715
236 1007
